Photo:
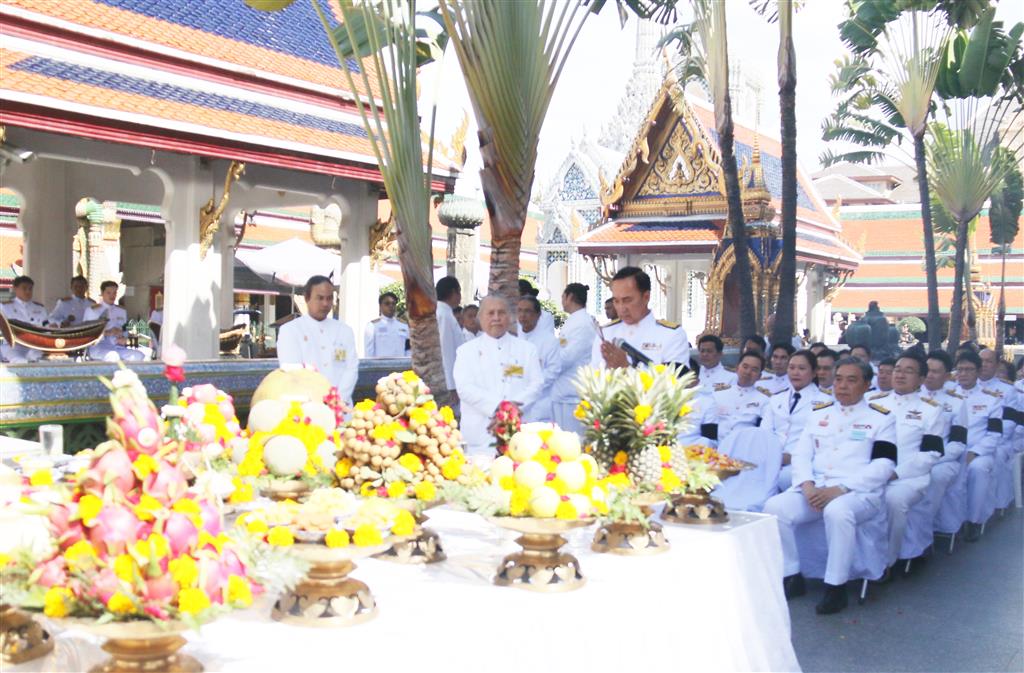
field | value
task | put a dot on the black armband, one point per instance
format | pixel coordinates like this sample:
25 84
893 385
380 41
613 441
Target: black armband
958 433
932 443
1010 414
883 449
995 425
709 431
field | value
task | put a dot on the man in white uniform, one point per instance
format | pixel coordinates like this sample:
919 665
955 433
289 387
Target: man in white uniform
777 379
112 347
387 336
71 310
575 342
989 380
494 367
742 405
826 370
840 467
660 341
546 321
22 308
317 340
713 374
449 295
947 491
547 349
470 322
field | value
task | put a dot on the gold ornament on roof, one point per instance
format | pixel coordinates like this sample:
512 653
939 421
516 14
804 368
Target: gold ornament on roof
210 214
382 241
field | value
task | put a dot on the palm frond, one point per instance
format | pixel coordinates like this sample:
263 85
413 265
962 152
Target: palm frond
830 158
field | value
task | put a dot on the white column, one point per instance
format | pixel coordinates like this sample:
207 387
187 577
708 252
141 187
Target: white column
357 293
226 243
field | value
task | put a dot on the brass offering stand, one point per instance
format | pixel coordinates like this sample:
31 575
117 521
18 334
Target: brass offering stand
633 538
423 546
281 490
328 597
138 647
701 508
22 638
541 566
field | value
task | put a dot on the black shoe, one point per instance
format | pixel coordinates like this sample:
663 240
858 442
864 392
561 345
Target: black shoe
835 599
973 532
794 586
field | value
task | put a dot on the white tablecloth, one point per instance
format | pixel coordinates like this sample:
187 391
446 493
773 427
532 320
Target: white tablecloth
714 602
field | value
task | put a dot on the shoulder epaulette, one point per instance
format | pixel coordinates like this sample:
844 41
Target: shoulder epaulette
768 377
64 299
784 390
37 303
721 386
822 405
827 391
9 301
731 370
764 391
953 393
670 325
96 304
879 408
613 322
878 396
928 400
375 320
993 393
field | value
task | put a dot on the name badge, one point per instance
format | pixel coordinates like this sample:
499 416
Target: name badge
339 354
513 370
858 435
650 347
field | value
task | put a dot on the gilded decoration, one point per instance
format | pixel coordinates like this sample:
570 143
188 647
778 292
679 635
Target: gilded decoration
383 243
765 280
211 212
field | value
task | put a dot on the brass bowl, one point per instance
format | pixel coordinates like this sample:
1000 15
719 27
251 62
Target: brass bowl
540 566
141 645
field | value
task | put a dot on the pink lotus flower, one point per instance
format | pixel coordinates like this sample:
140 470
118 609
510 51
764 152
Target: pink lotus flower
167 483
53 572
173 355
116 527
113 467
180 533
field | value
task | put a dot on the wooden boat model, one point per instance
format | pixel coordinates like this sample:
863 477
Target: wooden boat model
231 338
60 340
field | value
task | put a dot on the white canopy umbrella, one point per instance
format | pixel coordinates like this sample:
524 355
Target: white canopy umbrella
293 262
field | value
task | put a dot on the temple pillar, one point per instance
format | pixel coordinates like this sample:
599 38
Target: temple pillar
357 291
463 219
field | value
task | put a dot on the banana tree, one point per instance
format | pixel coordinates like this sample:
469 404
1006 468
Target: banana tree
704 49
1004 221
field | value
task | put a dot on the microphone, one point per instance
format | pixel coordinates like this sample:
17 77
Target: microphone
634 354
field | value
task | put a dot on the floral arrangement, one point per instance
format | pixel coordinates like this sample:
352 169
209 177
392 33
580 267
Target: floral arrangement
544 474
506 423
290 440
400 445
130 542
712 459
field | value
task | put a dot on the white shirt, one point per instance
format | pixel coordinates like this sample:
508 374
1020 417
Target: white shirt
31 312
157 316
776 383
984 419
919 432
548 348
702 419
469 336
852 446
661 341
786 424
115 315
575 340
329 345
488 371
1008 395
717 377
954 422
739 407
70 307
451 339
386 338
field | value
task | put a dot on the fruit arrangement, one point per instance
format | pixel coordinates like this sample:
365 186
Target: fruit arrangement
713 459
290 440
394 445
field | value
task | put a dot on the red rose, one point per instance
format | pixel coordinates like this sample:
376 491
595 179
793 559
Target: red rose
174 374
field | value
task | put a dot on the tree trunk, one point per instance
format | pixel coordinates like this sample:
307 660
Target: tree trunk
934 321
956 312
785 308
1001 315
972 317
504 280
738 228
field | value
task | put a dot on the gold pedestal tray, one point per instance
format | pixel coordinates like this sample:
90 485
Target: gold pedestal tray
138 647
21 637
694 509
540 566
328 597
633 538
285 490
423 546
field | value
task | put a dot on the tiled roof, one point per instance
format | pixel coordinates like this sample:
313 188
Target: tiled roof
665 235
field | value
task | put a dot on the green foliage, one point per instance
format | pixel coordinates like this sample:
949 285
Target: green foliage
868 19
915 324
555 310
1005 208
983 62
397 288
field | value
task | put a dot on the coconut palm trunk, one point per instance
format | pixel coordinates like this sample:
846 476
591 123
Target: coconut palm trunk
931 267
737 225
1001 316
956 312
785 309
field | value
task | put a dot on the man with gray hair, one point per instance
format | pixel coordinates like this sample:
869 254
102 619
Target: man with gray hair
494 367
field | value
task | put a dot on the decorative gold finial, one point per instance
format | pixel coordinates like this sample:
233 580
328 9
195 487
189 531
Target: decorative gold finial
209 215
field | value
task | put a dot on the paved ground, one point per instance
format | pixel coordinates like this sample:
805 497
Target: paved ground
963 612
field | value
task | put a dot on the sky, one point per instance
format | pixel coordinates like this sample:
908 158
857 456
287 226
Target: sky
601 62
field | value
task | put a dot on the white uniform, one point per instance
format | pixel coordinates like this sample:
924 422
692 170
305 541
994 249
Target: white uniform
776 383
386 338
947 491
984 434
70 307
548 348
785 415
575 342
663 342
451 339
826 390
919 444
156 317
329 345
469 336
703 420
739 407
107 348
487 372
853 447
717 377
545 323
31 312
1005 453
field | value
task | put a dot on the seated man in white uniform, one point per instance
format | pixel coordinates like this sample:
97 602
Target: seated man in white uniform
493 368
988 380
22 308
703 416
111 348
947 500
777 379
826 372
317 340
548 348
786 413
575 341
71 310
742 405
387 336
919 442
841 464
884 376
713 374
636 330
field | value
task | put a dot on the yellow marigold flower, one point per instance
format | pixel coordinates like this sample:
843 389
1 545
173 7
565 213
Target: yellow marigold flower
337 538
452 468
43 477
120 604
618 480
397 489
251 466
419 415
519 503
561 488
641 413
124 567
189 508
508 482
89 507
581 410
256 526
410 376
411 462
279 536
545 435
144 465
206 539
184 571
426 491
80 554
57 602
404 524
4 559
367 490
367 535
239 591
343 467
243 492
659 368
154 547
366 405
646 380
567 511
665 453
430 405
147 507
385 432
621 457
447 415
669 480
684 410
193 601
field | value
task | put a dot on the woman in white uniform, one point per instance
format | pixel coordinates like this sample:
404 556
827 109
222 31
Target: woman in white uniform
575 340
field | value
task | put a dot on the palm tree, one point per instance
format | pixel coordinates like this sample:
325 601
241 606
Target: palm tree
704 47
1003 217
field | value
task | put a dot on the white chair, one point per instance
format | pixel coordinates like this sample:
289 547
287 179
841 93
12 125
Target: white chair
751 488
